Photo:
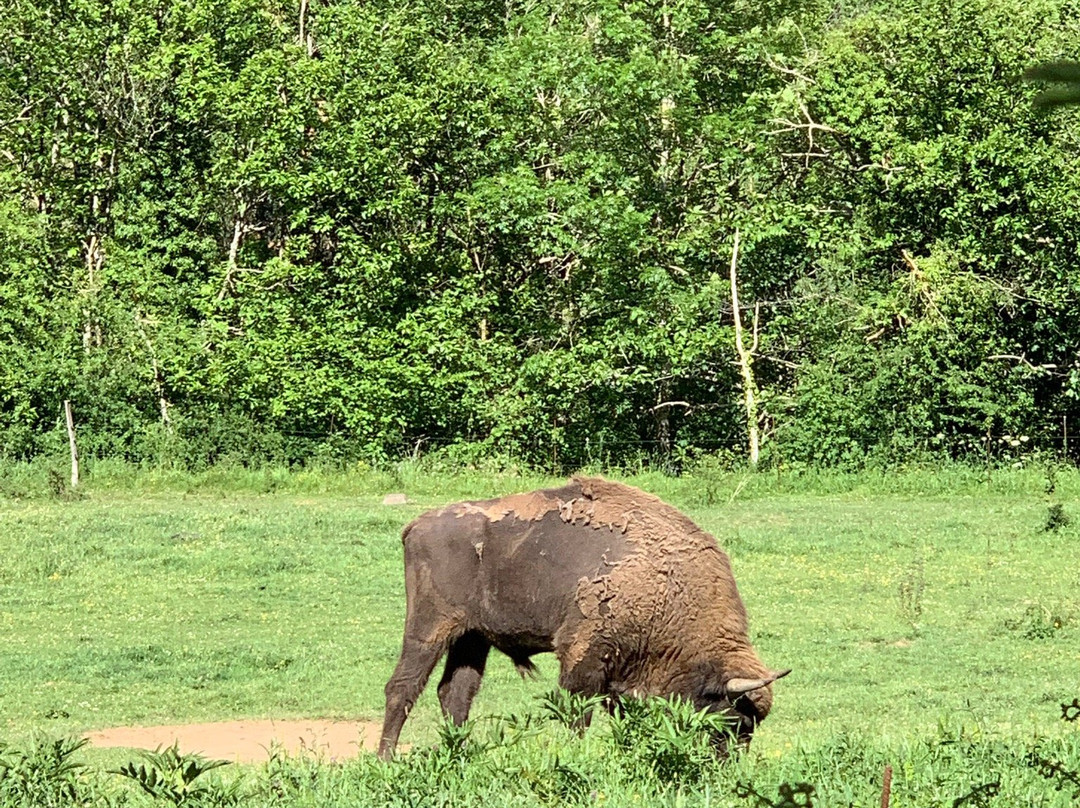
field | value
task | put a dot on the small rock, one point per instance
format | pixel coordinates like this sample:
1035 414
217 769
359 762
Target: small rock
395 499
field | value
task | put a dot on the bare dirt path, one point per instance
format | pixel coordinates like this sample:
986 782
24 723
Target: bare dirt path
249 741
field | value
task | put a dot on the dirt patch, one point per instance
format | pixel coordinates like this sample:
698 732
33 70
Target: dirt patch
249 741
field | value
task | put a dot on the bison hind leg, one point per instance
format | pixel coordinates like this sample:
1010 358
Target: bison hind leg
464 671
418 659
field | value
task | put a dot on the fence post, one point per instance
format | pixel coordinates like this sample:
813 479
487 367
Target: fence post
71 442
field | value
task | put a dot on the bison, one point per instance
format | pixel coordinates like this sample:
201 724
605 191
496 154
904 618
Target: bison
632 597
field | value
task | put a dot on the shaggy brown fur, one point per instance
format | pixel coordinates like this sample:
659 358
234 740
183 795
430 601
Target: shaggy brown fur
631 596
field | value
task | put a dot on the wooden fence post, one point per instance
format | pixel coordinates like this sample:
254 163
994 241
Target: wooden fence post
886 787
71 442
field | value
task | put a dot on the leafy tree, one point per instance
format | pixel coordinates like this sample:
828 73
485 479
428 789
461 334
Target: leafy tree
246 230
950 302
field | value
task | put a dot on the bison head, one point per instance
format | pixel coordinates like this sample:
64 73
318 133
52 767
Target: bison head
745 702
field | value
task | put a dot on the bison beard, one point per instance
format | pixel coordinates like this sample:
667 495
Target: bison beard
631 596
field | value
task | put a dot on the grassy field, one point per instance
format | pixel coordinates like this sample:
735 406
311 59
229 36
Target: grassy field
919 611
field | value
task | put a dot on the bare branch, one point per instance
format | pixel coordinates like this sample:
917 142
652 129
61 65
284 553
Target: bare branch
787 71
24 115
787 363
668 404
757 322
876 334
1045 367
809 126
918 280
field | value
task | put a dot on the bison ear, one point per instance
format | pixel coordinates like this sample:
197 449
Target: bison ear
739 687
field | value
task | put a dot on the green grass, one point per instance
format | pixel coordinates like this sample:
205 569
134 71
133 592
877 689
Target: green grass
911 608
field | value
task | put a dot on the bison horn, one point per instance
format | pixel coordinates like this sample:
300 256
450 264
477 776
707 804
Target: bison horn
739 687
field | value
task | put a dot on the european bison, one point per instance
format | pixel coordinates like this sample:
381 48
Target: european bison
632 597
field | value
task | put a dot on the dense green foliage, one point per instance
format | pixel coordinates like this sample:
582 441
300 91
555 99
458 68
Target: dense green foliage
523 760
258 229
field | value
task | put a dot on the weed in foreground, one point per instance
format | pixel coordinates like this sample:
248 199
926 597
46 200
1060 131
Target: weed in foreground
648 753
800 795
169 776
979 796
571 710
671 738
556 782
1054 770
286 778
43 775
1071 712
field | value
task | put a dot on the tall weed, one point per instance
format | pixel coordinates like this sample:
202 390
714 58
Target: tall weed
44 774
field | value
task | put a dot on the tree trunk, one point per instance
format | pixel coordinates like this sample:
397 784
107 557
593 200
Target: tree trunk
159 379
94 257
231 268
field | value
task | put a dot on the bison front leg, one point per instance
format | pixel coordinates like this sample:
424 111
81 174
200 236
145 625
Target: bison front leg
584 672
464 670
417 661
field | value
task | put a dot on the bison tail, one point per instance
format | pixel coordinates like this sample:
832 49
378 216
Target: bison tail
526 668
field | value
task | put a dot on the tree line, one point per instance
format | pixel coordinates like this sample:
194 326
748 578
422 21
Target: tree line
270 230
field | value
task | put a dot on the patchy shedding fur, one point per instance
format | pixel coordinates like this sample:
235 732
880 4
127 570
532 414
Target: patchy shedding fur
630 594
676 595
